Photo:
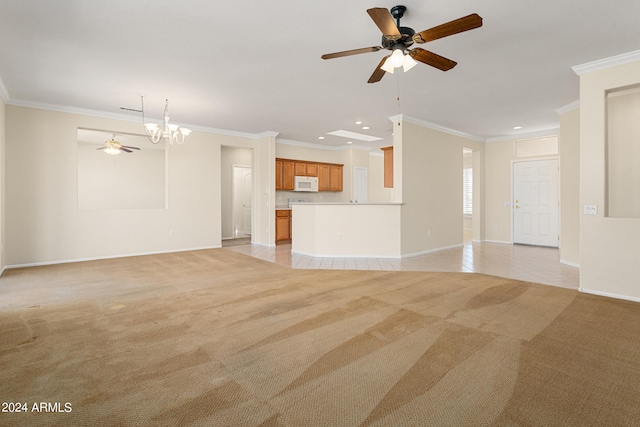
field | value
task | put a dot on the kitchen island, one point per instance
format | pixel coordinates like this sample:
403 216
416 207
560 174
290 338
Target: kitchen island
346 229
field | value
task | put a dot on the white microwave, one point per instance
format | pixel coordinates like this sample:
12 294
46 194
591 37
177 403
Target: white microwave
305 183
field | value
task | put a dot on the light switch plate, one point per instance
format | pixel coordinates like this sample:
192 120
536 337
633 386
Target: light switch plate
591 209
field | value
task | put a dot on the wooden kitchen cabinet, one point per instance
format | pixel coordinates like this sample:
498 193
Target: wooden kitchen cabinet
335 177
305 169
283 225
323 177
388 166
284 174
330 175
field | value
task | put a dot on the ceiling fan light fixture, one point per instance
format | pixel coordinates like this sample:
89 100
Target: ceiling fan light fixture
408 63
112 151
396 58
387 66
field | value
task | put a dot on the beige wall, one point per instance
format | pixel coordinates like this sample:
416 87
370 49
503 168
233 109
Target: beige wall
569 145
44 224
2 184
430 163
347 230
499 156
608 246
263 227
623 154
377 191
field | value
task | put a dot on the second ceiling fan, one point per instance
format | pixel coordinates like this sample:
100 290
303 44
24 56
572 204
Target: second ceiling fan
397 39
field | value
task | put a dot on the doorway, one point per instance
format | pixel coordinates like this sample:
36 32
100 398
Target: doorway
242 194
236 196
467 195
360 185
536 203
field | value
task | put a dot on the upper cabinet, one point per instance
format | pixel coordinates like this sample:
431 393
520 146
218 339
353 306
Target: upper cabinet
335 177
284 174
388 166
329 174
306 169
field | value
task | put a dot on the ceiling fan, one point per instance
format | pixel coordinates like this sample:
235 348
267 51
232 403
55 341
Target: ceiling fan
397 39
114 147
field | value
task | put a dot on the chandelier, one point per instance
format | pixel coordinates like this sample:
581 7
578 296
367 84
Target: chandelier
167 132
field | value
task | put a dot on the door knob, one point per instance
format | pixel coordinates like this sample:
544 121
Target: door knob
517 207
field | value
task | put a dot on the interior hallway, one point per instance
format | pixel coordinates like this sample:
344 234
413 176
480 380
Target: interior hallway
528 263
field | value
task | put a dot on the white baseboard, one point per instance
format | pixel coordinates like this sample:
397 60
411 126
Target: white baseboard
608 294
430 251
569 263
68 261
345 256
498 241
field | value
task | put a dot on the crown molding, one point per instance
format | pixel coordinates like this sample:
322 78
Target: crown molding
602 64
434 126
4 94
322 147
569 107
129 118
537 134
268 134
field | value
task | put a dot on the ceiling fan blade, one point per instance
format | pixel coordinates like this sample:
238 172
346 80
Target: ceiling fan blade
101 148
379 73
383 19
131 148
124 149
351 52
430 58
456 26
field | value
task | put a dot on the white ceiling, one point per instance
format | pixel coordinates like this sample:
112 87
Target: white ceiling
254 66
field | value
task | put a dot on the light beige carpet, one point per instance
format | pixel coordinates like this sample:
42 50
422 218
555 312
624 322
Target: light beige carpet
216 338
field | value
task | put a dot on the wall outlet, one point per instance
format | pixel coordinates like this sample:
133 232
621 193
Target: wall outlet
428 233
339 236
170 233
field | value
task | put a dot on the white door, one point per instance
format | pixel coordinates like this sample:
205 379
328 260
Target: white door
360 185
242 201
535 203
247 186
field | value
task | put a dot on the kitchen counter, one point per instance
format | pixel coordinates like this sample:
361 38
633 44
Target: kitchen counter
347 229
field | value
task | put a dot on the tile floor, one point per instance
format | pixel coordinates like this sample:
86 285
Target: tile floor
529 263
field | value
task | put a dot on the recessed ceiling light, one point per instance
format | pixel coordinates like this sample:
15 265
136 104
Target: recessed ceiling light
349 142
365 128
517 127
359 122
321 137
